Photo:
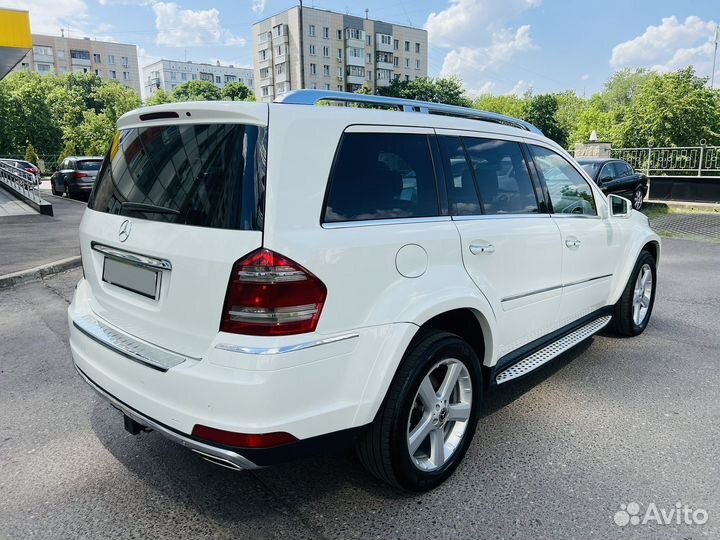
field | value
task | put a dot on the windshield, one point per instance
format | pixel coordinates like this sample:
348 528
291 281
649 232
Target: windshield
89 165
590 167
207 175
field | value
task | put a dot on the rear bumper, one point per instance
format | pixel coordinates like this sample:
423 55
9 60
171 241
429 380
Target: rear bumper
321 393
224 456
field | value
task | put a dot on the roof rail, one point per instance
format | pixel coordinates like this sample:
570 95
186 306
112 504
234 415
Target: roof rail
312 97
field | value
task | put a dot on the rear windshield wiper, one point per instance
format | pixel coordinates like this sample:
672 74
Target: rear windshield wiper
149 208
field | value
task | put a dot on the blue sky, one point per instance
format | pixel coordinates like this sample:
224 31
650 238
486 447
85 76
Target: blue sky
497 46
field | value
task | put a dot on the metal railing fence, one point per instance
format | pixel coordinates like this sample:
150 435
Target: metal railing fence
672 161
21 182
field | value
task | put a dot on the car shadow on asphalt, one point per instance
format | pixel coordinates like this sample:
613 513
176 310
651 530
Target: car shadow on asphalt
173 469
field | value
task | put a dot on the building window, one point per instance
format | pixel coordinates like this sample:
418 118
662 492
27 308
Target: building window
327 87
183 76
326 71
111 59
326 52
313 69
113 74
126 76
173 75
97 72
43 68
369 58
263 55
407 62
265 91
397 76
407 46
369 75
124 60
217 79
340 72
396 61
356 71
369 39
354 33
42 51
80 55
326 32
385 39
311 30
194 77
312 49
339 54
264 73
339 34
96 58
396 44
417 64
407 77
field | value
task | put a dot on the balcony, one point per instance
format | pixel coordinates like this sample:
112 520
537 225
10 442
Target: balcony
385 65
355 60
282 77
280 59
44 58
262 45
355 79
80 62
265 63
384 47
279 40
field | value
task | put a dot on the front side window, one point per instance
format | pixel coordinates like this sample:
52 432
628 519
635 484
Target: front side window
502 176
568 190
381 176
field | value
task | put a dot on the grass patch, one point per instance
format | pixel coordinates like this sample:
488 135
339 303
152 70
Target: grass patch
656 210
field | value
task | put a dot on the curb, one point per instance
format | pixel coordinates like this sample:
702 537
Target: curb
15 278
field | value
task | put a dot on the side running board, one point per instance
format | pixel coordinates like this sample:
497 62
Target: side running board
556 348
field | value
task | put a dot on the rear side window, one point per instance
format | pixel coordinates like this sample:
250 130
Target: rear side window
89 165
569 192
462 194
381 176
502 176
207 175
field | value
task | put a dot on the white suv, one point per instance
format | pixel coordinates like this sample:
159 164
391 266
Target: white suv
263 281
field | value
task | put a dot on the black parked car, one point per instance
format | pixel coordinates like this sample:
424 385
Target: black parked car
618 177
76 176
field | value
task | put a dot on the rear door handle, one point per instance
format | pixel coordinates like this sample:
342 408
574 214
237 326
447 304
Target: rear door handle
476 248
572 242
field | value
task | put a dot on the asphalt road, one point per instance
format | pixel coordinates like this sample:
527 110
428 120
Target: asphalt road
611 422
34 240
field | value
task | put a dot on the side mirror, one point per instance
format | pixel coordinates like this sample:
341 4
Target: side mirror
619 206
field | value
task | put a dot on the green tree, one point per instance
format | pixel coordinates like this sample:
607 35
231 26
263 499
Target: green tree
236 91
31 154
196 91
159 97
672 109
540 111
509 105
449 91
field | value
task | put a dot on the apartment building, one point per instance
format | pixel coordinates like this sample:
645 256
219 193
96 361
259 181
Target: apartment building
315 48
108 60
168 74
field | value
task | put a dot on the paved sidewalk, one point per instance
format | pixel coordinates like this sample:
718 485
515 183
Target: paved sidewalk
28 241
12 206
696 226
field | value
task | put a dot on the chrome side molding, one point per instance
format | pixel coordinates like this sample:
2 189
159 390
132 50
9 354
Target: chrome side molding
284 349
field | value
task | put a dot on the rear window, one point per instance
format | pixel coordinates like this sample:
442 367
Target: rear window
207 175
382 176
89 165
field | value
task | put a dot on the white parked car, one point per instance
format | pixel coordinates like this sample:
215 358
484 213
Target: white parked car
263 281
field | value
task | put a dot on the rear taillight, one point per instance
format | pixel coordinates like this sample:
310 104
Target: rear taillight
270 295
80 175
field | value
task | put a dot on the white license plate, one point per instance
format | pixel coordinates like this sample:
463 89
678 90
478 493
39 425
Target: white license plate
131 277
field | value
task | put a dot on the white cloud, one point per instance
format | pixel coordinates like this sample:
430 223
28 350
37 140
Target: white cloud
488 87
258 6
465 61
585 77
49 16
521 87
191 28
465 22
670 45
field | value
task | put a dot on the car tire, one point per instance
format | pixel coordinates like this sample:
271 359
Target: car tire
416 415
632 312
637 198
52 188
67 191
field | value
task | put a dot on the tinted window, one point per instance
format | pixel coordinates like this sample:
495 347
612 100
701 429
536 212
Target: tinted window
209 175
89 165
622 168
590 167
462 194
569 192
502 176
381 176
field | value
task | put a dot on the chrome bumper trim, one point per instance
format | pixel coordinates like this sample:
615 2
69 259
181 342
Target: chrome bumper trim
132 258
225 457
128 346
284 349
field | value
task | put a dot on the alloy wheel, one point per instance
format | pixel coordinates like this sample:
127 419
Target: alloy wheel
439 415
638 199
642 294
